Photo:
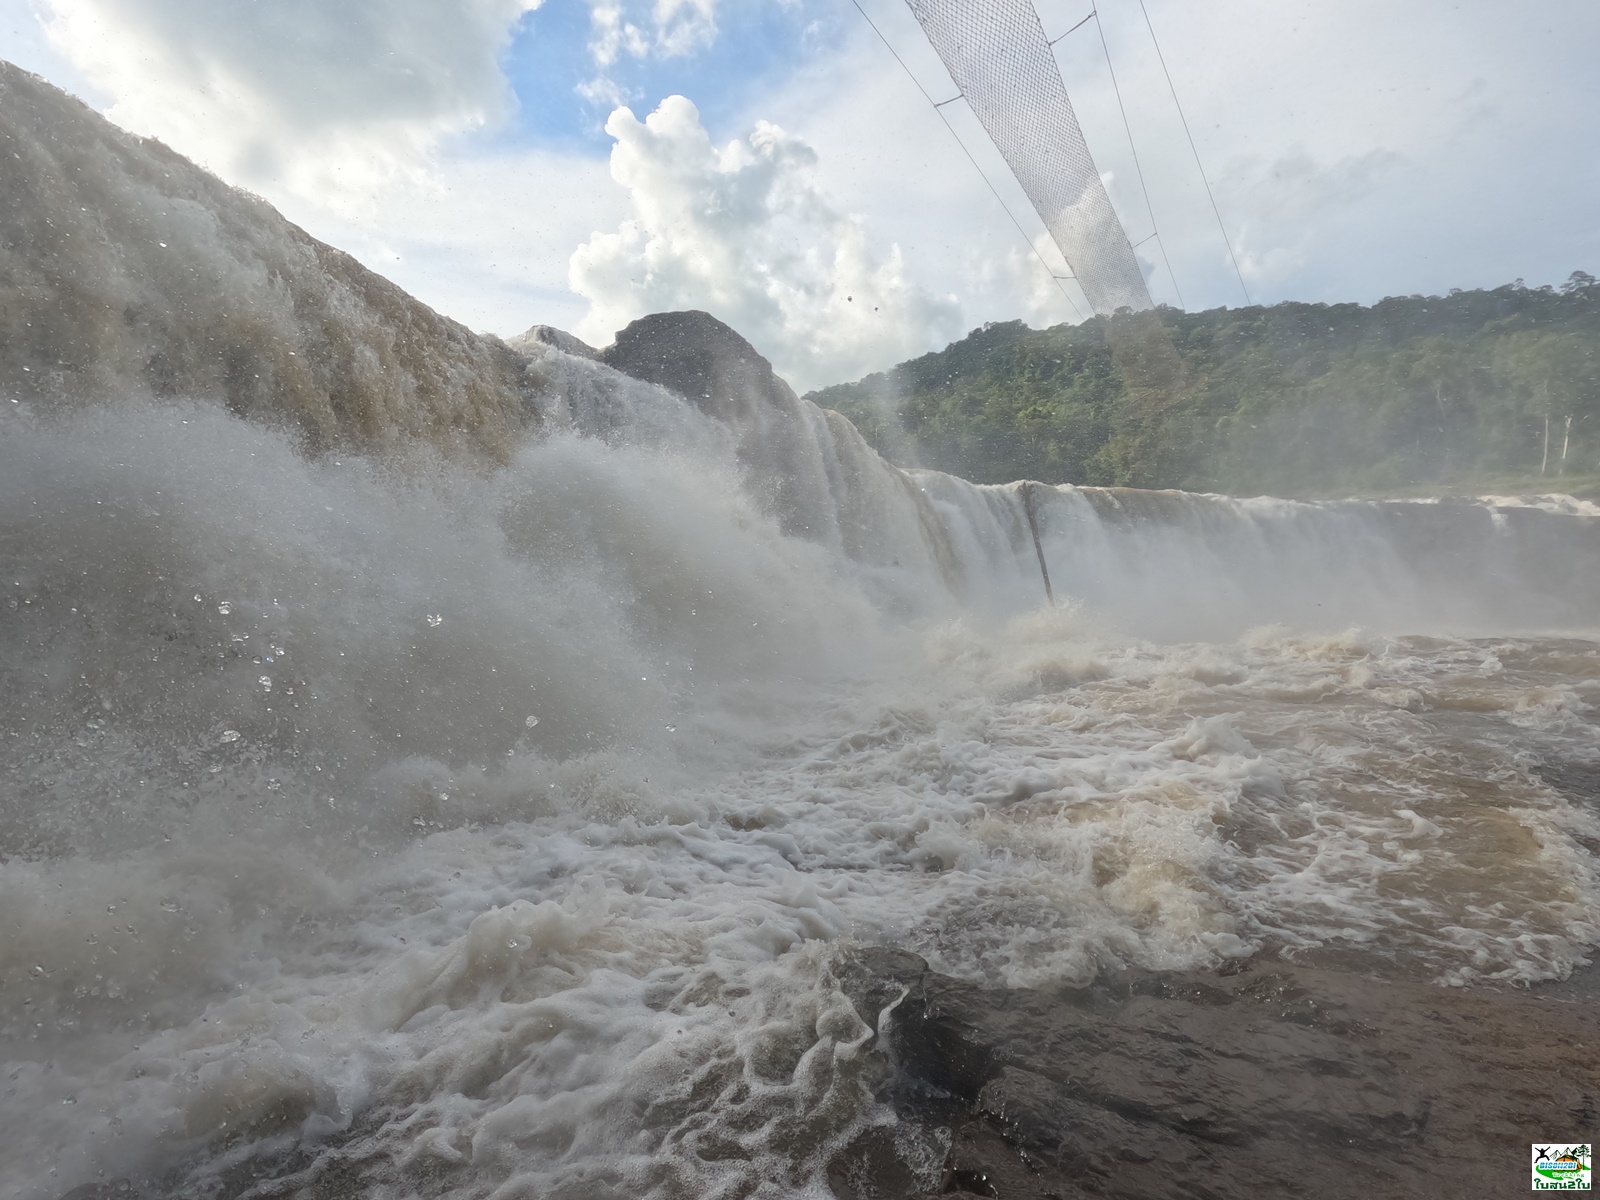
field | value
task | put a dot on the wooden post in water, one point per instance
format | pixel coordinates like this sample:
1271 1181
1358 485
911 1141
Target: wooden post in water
1038 546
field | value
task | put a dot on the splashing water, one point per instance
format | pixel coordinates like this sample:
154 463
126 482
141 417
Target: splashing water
394 920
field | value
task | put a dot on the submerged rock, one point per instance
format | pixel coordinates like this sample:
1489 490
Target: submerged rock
1277 1080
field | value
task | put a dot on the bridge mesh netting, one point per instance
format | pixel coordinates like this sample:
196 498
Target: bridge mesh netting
998 56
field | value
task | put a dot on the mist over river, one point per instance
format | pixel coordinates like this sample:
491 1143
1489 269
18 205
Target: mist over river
457 769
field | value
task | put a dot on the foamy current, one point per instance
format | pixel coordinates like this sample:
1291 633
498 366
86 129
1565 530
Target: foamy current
493 832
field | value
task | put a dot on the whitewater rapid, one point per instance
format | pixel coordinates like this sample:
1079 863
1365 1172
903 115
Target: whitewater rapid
498 829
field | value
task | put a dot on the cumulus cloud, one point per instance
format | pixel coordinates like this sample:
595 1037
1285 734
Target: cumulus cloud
742 231
643 30
329 100
664 28
683 26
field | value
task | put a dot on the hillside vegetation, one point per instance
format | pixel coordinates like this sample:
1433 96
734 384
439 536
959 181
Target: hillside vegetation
1477 390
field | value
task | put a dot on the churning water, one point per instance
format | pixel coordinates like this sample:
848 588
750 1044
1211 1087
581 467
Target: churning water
497 827
410 826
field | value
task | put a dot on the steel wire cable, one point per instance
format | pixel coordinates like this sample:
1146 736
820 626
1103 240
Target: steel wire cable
1193 149
938 108
997 54
1138 167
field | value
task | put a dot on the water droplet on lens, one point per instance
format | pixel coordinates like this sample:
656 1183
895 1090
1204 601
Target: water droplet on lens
225 608
531 722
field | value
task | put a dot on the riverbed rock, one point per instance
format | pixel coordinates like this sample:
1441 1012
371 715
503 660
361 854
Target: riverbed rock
1276 1080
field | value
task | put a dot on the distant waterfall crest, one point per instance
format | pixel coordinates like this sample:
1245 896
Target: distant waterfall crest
127 274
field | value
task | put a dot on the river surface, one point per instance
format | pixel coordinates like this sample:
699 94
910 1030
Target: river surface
495 833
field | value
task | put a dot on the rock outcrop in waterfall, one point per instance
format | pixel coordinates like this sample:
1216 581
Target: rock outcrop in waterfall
126 269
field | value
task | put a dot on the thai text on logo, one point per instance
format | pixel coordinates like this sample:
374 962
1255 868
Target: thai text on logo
1560 1168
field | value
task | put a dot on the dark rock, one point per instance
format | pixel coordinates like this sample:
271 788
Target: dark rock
1291 1081
711 366
702 359
808 468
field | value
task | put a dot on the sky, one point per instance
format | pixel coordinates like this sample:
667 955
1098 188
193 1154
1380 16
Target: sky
579 163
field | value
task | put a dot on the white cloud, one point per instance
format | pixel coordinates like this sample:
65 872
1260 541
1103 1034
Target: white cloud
345 115
643 29
612 34
742 231
332 101
1022 279
486 237
1347 166
659 28
683 26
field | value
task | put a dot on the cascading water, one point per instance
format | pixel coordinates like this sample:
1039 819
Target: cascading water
457 778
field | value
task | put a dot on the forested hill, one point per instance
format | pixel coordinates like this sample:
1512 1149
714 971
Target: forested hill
1459 392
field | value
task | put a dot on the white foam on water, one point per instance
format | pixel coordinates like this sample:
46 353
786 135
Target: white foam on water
528 870
1557 502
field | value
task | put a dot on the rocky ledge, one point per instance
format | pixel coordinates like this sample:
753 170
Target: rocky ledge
1278 1079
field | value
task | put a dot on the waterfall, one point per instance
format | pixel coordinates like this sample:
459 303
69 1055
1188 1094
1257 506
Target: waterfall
451 764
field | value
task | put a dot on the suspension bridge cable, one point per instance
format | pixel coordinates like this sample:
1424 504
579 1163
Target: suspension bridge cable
1215 211
1138 170
938 109
1092 15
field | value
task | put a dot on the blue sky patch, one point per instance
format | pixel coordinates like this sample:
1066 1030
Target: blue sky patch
757 47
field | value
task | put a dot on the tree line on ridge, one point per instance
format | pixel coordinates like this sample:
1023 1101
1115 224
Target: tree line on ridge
1476 390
